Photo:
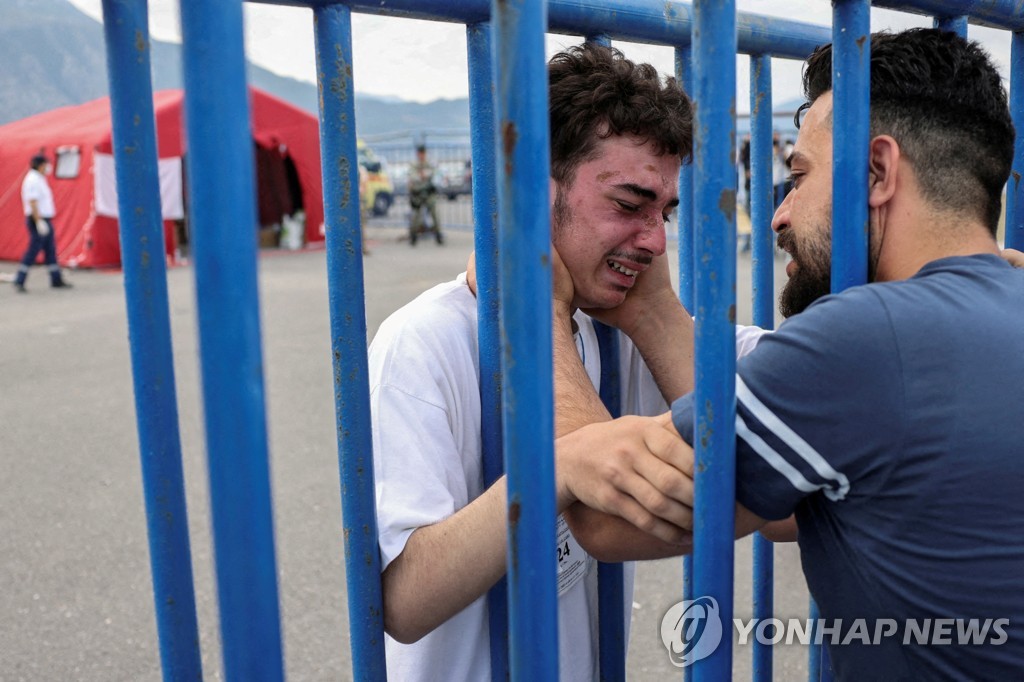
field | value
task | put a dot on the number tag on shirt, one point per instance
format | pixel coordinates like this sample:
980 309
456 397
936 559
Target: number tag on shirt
573 561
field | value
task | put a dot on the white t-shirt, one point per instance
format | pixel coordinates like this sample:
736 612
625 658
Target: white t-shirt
425 406
34 187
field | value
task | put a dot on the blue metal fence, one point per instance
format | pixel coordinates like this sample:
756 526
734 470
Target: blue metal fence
149 328
348 336
510 160
221 190
762 261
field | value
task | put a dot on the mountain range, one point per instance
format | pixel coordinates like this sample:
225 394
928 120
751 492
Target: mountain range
54 56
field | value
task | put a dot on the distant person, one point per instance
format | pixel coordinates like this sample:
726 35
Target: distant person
37 201
745 162
779 170
423 196
743 227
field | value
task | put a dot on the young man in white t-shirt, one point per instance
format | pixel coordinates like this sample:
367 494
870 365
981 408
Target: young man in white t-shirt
442 535
37 201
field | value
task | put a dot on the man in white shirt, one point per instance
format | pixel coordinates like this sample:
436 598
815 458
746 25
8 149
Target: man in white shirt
442 532
37 201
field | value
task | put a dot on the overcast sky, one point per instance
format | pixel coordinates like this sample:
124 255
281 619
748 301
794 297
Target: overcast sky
423 61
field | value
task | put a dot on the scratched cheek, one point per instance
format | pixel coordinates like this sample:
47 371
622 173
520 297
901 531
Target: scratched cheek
652 221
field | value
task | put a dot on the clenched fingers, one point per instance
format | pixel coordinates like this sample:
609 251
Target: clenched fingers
668 446
649 465
637 514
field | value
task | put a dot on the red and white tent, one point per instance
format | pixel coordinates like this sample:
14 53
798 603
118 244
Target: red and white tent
287 152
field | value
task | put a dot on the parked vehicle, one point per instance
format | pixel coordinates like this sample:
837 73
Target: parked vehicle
456 177
375 189
399 174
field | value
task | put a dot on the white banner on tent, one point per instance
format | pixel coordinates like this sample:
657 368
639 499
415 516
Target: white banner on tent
105 187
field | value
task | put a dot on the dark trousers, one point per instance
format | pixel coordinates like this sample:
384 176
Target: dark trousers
38 243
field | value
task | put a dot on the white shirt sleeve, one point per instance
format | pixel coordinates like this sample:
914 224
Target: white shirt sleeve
418 476
747 338
425 414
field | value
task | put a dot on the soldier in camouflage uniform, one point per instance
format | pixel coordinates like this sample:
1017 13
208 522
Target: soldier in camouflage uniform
423 196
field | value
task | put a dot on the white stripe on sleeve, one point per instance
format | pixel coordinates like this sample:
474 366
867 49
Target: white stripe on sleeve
777 461
793 441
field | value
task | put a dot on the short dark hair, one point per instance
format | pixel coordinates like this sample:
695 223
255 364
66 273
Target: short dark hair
595 93
37 161
939 96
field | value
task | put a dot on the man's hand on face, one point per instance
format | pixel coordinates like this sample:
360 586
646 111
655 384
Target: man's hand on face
562 288
637 468
561 283
653 288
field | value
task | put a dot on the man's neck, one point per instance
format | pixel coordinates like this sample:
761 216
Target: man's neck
918 240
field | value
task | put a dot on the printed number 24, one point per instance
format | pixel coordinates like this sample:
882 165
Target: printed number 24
563 552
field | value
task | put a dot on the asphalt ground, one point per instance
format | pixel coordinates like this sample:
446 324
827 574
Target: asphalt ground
77 596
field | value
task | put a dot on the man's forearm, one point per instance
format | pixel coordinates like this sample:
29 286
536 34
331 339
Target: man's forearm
577 404
612 538
576 401
664 337
445 567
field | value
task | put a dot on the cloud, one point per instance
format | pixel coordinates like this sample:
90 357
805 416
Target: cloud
423 60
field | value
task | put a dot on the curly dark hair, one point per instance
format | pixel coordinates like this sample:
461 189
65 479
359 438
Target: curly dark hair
595 93
942 100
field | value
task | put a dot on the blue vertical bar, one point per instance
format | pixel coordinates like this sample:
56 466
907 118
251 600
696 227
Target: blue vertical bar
954 24
764 603
126 29
611 607
851 84
714 67
762 206
763 262
851 87
610 598
1015 188
223 212
485 233
685 222
826 665
684 213
333 29
814 650
521 113
818 665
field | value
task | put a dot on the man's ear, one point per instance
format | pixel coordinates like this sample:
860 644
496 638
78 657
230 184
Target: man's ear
883 167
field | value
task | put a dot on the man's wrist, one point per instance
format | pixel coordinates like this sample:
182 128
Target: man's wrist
655 313
561 315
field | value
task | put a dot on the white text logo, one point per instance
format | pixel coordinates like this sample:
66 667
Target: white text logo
691 630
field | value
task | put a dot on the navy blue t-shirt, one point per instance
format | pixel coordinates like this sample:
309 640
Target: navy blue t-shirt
890 419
